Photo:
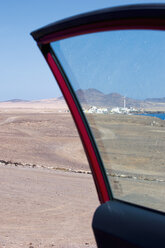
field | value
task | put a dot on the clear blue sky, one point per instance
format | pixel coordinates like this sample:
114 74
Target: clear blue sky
24 73
128 62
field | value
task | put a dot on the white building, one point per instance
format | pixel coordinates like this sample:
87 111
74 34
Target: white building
96 110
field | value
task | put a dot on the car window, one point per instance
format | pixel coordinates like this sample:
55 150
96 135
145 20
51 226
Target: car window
119 79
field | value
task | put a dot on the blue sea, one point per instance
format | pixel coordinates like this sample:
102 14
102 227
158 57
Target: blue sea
158 115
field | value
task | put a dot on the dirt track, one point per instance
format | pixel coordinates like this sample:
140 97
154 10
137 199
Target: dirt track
132 148
42 207
45 208
48 139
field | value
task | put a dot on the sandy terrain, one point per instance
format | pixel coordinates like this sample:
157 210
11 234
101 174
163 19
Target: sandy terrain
47 197
132 148
44 105
43 205
45 139
43 208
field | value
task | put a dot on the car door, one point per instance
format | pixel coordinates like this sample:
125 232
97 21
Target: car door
109 65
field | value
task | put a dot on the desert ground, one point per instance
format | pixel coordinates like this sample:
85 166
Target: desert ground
47 193
47 197
132 149
40 137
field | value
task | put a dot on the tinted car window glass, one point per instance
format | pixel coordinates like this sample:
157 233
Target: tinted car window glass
119 79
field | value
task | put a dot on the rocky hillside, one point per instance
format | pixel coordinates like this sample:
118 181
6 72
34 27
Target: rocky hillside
97 98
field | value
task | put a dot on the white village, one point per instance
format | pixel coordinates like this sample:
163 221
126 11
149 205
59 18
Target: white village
115 110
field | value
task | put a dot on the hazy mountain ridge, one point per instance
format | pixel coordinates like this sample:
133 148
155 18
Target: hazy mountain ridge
16 100
97 98
94 97
160 100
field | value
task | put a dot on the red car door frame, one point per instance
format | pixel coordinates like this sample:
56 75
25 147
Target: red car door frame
131 226
128 17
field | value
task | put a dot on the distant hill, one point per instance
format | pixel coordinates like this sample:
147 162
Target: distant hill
16 100
160 100
92 96
97 98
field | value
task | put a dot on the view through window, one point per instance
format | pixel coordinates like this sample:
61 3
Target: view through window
119 79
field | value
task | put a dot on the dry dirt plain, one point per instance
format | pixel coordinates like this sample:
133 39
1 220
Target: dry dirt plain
132 148
43 203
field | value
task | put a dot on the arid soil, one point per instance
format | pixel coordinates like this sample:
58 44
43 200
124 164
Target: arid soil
132 148
47 194
45 139
44 208
44 203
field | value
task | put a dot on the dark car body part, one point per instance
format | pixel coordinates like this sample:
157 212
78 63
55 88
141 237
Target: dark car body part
146 16
115 223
